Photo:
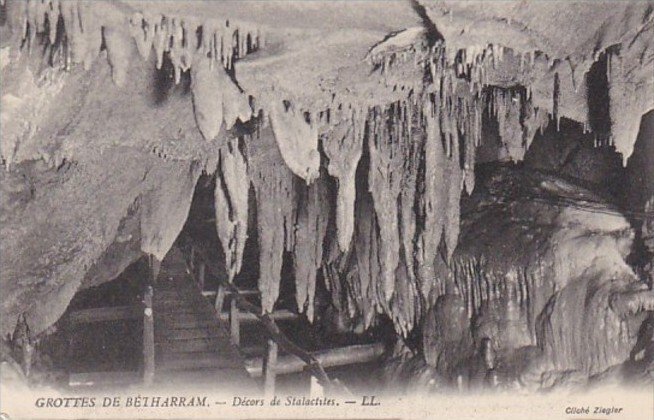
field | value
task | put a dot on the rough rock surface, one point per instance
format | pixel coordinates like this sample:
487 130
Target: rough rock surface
540 265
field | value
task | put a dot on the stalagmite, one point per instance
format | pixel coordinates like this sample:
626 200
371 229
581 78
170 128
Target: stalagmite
296 137
311 227
343 147
231 205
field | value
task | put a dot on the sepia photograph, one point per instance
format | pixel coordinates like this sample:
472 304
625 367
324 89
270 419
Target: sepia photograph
334 209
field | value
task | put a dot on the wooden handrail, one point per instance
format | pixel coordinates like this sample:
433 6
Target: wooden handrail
105 314
287 364
280 315
312 364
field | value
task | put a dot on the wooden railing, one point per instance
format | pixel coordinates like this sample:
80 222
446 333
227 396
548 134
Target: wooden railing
297 359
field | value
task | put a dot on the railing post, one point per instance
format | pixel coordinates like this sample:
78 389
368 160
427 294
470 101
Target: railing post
148 337
315 389
269 373
201 269
234 326
154 266
220 299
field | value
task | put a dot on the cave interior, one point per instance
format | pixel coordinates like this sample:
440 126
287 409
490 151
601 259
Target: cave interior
420 195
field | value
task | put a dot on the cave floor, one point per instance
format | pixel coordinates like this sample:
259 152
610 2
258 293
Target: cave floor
191 346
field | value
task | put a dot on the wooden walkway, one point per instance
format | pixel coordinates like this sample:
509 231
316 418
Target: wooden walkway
191 345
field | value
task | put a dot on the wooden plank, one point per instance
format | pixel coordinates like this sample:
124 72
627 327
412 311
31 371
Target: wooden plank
269 366
327 358
172 311
256 350
197 344
231 380
174 317
209 293
106 314
280 315
190 334
119 378
148 338
187 324
196 360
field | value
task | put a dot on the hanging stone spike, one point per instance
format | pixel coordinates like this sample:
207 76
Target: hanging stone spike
160 39
387 151
91 32
231 205
297 139
273 184
142 36
119 53
207 85
343 147
311 227
434 199
236 106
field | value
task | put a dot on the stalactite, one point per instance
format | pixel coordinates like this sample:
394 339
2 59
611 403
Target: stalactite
84 34
404 306
216 99
222 40
311 227
535 119
207 85
142 33
236 106
274 190
296 137
627 102
409 189
507 108
119 52
434 199
231 205
343 148
366 249
165 208
387 143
